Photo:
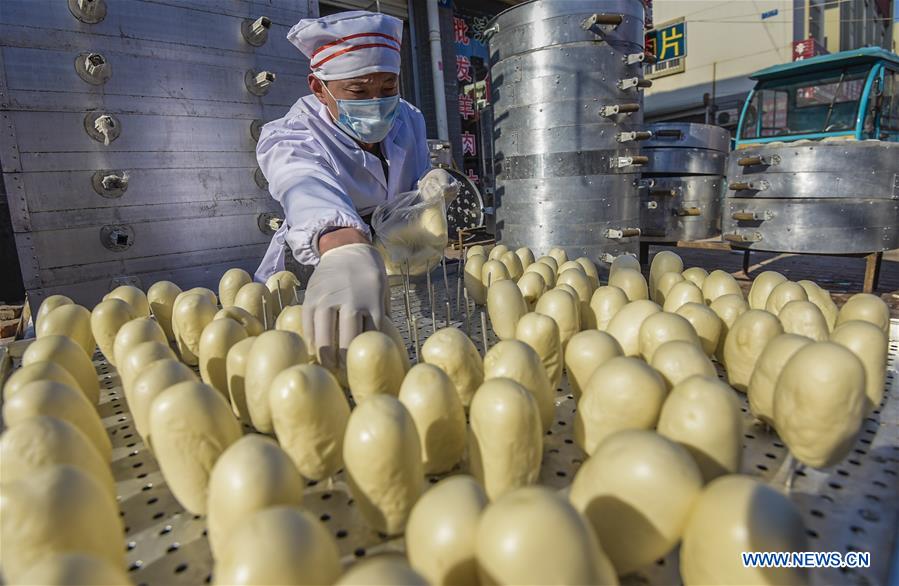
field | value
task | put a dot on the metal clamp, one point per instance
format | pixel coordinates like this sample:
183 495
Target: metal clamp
619 162
259 83
269 223
664 191
748 216
633 135
683 212
259 178
755 160
116 237
613 109
743 238
634 58
255 32
637 82
110 184
618 233
761 185
256 129
101 127
88 11
93 68
609 258
601 22
668 133
652 205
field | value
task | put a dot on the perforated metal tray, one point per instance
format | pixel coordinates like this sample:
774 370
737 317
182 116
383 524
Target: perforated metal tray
850 507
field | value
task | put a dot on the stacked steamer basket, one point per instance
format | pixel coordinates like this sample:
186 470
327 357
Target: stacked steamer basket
567 95
682 184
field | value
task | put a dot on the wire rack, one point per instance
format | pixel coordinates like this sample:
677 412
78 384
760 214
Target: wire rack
849 507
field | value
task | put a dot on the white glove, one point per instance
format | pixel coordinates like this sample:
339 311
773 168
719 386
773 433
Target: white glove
439 183
346 295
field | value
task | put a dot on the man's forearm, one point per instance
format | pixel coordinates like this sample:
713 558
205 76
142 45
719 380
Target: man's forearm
340 237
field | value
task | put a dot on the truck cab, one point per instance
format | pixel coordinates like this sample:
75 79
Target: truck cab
851 95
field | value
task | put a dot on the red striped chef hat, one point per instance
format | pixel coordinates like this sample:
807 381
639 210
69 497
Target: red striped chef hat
349 44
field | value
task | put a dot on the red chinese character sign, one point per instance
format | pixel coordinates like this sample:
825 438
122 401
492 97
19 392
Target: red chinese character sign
472 71
463 68
460 31
466 107
469 144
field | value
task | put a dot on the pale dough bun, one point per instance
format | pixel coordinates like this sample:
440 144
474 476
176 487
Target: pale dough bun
492 272
571 265
637 490
513 265
195 291
631 282
768 367
474 250
236 368
149 384
625 326
728 308
805 319
68 354
605 303
441 532
42 441
534 536
703 415
783 294
526 256
192 313
455 354
251 475
744 344
696 275
866 307
230 284
761 289
48 305
497 252
718 284
663 262
55 510
542 334
474 266
387 327
134 297
374 366
559 254
382 458
680 294
53 399
679 360
106 319
309 414
69 320
870 345
564 309
249 322
257 300
136 359
283 287
519 362
822 299
161 296
663 327
37 371
505 306
706 322
587 351
191 425
75 569
624 261
665 284
550 262
545 270
570 290
278 545
429 396
532 287
820 402
382 570
291 320
736 514
589 270
583 288
505 437
216 340
271 352
136 331
623 393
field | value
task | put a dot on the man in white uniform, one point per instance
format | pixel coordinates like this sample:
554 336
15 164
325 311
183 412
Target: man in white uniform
337 154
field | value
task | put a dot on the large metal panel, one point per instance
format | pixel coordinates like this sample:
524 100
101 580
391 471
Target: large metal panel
669 161
195 202
676 209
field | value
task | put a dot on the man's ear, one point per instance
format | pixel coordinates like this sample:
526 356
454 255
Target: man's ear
316 86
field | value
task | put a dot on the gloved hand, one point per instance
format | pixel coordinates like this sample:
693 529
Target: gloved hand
439 183
346 295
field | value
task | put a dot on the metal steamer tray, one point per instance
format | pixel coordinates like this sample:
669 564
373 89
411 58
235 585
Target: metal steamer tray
850 507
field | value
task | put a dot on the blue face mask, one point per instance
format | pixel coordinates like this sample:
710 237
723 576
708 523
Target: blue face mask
367 121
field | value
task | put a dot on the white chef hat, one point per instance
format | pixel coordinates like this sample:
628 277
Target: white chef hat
349 44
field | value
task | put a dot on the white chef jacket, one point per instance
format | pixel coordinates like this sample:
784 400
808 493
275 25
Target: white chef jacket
323 178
